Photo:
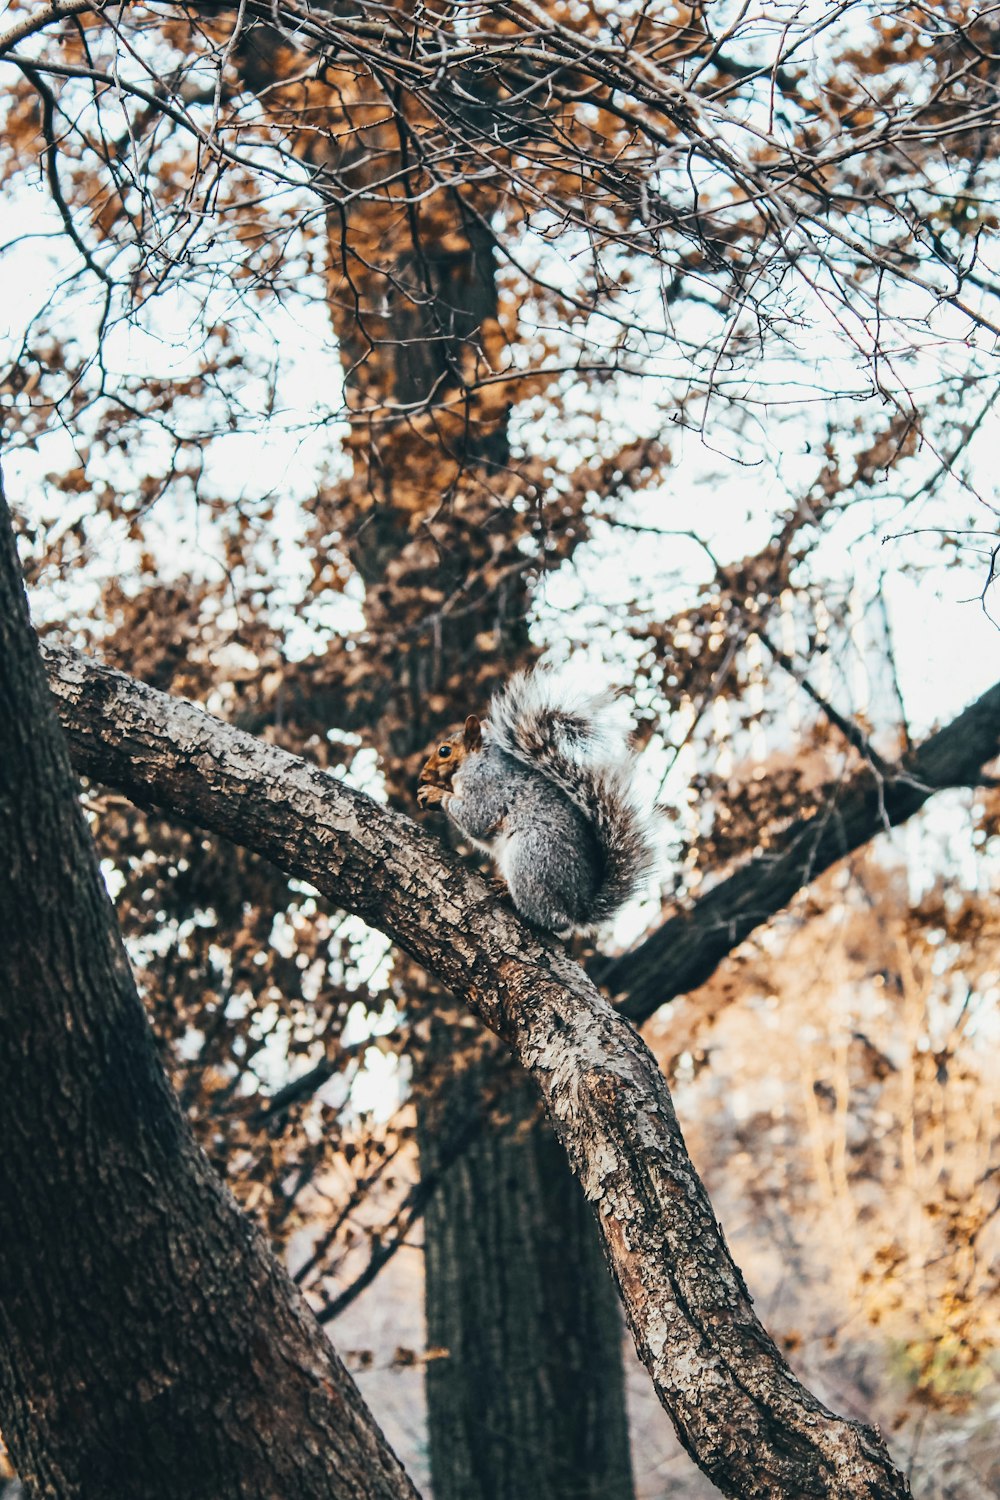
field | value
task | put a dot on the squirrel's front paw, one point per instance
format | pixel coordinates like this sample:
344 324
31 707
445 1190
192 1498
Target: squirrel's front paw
429 796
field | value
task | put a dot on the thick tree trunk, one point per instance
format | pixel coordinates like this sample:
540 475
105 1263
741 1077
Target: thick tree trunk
525 1382
150 1345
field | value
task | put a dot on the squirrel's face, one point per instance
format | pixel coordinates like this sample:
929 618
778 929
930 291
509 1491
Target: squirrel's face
440 766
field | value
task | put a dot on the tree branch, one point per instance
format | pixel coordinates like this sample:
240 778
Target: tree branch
736 1405
687 949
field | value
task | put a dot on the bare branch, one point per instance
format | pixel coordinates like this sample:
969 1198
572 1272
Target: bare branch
849 728
689 947
503 104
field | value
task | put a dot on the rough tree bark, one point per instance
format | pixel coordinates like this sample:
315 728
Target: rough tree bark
737 1407
150 1344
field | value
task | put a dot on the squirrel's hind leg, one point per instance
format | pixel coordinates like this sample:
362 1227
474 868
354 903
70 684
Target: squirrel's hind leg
533 890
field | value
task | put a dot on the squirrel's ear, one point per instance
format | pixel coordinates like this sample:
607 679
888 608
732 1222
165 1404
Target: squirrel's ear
473 736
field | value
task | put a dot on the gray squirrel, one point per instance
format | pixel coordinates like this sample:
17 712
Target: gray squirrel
546 785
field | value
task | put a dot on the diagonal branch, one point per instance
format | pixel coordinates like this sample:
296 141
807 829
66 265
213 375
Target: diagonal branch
687 949
737 1407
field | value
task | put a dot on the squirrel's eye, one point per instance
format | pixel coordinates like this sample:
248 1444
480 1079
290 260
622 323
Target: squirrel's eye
444 751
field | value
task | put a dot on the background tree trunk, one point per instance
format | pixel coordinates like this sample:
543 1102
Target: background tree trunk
525 1381
530 1401
150 1344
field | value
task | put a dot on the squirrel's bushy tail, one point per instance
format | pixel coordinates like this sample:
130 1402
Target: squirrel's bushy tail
578 741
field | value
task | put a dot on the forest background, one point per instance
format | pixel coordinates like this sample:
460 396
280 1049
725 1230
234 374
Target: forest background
357 357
